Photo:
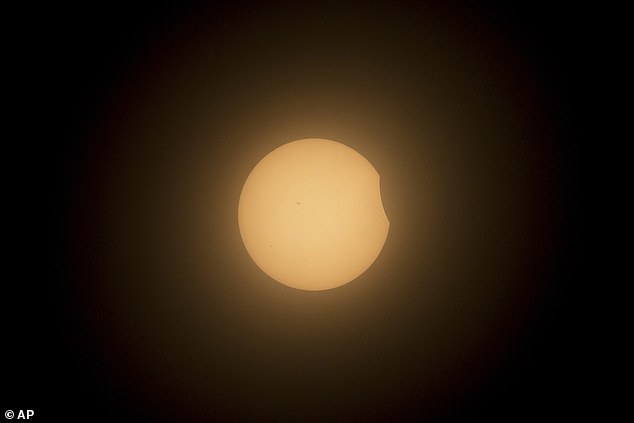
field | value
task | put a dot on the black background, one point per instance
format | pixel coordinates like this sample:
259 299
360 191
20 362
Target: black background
77 56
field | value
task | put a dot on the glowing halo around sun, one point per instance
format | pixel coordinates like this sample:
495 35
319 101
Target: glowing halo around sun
310 214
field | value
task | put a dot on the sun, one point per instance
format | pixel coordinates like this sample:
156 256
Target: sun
311 216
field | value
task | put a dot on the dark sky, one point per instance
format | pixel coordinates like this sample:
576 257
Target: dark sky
132 298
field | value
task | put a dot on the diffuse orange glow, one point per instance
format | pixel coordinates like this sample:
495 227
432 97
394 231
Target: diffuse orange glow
180 223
